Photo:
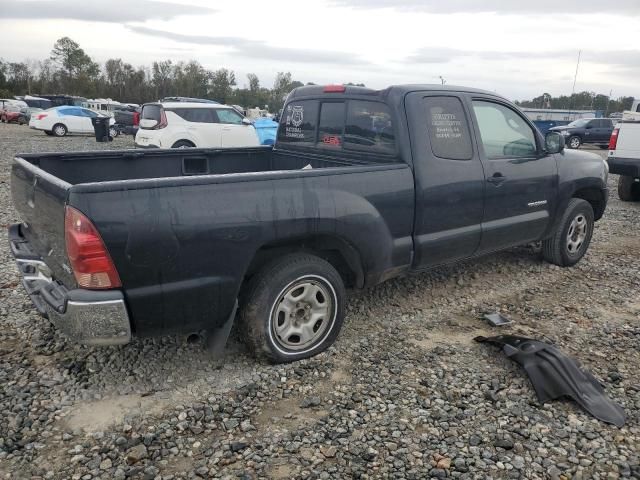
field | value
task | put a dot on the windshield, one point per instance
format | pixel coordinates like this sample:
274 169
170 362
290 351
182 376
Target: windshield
579 123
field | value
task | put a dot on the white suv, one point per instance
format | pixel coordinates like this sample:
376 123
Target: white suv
187 125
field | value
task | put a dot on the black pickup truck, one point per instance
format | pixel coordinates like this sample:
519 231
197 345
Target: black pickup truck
361 186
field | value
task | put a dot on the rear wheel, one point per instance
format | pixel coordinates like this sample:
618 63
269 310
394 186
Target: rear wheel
59 130
574 142
572 238
183 144
293 308
113 132
628 189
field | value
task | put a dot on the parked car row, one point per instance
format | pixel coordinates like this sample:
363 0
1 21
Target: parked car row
61 121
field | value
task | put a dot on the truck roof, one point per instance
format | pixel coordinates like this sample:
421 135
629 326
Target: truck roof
317 90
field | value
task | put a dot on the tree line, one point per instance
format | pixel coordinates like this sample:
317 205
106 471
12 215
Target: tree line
70 70
580 101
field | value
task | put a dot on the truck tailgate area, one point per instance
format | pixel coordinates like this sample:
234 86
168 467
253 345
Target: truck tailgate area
40 199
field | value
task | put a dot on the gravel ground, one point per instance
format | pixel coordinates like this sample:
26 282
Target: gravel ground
404 393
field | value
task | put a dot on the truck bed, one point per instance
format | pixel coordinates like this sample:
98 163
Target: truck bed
182 226
106 166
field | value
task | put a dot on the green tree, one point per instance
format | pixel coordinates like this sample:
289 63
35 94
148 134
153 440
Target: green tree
221 83
282 86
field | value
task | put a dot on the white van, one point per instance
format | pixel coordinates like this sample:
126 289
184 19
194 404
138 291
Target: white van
188 125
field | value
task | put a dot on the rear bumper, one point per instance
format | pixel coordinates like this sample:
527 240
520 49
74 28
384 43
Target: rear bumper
624 166
85 316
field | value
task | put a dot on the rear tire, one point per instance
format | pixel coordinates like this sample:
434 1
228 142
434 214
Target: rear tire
574 142
571 240
113 132
183 144
293 308
59 130
628 189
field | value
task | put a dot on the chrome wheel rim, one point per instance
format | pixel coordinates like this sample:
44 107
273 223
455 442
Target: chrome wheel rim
59 130
302 314
577 234
575 143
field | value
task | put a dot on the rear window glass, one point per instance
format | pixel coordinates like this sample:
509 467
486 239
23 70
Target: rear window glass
331 126
369 127
298 122
196 115
352 125
448 128
151 112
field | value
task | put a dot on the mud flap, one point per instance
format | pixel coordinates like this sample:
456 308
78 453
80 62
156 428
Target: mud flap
554 375
217 338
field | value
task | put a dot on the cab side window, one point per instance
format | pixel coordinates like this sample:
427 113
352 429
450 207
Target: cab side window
504 133
448 128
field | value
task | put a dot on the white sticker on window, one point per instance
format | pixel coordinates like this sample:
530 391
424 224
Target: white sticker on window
295 118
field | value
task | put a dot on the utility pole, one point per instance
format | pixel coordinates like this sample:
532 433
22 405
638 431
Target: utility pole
575 77
606 109
442 79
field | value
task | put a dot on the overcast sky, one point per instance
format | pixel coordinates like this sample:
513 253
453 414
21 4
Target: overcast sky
519 48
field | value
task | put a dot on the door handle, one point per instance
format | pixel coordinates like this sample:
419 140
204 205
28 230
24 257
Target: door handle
497 179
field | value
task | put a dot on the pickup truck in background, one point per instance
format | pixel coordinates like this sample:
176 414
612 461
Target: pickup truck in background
624 154
361 186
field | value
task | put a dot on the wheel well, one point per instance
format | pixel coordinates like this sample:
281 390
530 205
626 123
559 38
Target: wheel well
339 253
595 197
183 141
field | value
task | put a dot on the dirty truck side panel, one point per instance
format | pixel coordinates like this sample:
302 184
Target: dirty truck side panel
182 251
449 191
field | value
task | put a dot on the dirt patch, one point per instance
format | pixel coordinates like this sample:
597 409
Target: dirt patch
438 338
287 415
282 471
100 414
627 246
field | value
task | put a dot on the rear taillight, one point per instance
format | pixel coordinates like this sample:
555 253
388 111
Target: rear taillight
90 260
40 116
613 141
163 121
136 119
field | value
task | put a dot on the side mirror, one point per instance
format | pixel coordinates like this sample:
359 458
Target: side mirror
554 142
148 123
246 121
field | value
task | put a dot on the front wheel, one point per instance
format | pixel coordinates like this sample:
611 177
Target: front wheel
574 142
572 238
293 308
